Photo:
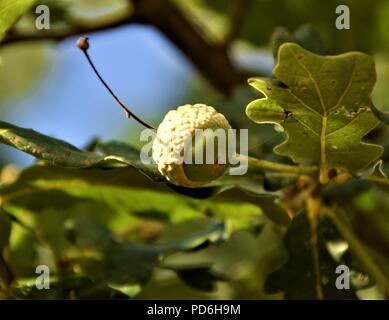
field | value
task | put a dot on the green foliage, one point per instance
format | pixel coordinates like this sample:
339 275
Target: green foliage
296 277
107 266
110 155
324 101
76 214
110 226
5 230
10 11
121 191
28 63
382 115
263 17
52 150
103 197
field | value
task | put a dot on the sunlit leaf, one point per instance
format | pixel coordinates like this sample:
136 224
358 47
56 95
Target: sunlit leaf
323 101
10 11
123 192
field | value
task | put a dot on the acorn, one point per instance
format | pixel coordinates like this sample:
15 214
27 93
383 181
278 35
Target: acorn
180 147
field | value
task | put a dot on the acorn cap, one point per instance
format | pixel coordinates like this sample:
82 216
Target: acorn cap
176 132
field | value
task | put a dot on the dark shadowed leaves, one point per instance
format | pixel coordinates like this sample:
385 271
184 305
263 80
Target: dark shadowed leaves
194 234
127 263
129 155
201 277
306 36
382 115
296 278
5 232
5 229
89 223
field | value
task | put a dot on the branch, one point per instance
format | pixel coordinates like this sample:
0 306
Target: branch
211 60
238 16
14 36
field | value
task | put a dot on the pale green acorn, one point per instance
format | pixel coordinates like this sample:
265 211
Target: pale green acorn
175 132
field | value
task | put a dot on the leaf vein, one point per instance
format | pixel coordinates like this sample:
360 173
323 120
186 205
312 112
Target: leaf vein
314 83
303 103
346 89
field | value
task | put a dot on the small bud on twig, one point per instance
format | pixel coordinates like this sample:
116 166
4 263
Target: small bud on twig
83 43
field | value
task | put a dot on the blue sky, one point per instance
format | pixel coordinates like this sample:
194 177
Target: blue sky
148 73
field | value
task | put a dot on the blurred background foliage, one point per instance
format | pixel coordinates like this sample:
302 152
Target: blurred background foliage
157 59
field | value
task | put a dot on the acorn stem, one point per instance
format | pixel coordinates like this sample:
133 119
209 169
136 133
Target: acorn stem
279 167
83 45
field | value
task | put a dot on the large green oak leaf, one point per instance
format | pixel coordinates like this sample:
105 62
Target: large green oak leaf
323 104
